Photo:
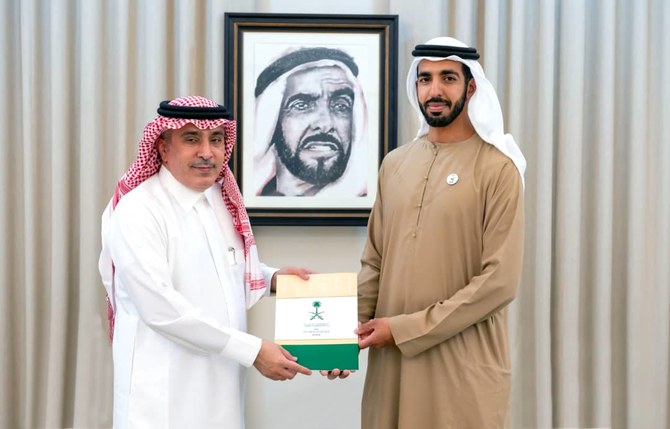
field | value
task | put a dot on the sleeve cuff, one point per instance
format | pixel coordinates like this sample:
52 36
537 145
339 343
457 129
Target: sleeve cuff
268 272
403 335
242 348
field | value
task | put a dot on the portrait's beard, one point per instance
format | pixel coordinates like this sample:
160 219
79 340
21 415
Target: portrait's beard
318 171
439 120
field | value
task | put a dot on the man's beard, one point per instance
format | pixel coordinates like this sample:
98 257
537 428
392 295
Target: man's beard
443 121
319 174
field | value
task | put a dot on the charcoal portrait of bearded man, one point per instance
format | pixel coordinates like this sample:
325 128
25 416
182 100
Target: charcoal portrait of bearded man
310 125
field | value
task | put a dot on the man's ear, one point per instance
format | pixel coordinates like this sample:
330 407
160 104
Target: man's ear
161 147
472 87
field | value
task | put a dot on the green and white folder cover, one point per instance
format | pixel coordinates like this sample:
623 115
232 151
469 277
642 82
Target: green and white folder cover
315 320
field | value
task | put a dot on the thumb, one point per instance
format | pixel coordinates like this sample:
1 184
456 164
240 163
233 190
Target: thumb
287 355
364 343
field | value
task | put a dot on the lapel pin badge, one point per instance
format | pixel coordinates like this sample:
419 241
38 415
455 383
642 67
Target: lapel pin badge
452 179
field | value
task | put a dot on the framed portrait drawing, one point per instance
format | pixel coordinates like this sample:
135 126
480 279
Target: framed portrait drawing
315 98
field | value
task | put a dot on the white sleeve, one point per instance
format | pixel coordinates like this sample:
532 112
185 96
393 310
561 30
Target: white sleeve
105 260
268 272
137 243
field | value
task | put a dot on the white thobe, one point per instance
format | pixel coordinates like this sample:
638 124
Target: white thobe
180 346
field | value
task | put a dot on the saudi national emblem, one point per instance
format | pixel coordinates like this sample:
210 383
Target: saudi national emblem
315 314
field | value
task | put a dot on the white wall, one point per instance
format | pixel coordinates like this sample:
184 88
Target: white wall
304 402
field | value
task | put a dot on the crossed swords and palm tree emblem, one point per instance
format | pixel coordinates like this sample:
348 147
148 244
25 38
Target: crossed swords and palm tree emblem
315 314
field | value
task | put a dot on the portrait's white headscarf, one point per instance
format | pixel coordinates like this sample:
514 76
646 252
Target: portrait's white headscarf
353 181
483 108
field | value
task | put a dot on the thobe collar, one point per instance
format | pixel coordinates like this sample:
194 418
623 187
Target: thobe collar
438 146
185 196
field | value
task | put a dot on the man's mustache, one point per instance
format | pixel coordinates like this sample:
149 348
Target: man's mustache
201 164
321 137
437 100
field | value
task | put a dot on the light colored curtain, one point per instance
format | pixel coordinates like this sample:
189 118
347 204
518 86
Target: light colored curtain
585 90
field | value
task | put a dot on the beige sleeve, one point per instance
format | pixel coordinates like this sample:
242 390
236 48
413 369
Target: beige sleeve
368 277
486 293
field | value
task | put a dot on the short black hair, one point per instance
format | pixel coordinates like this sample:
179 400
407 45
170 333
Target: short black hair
467 73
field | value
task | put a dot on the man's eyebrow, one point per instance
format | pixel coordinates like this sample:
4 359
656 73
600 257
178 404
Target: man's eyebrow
302 96
444 72
343 92
189 133
449 72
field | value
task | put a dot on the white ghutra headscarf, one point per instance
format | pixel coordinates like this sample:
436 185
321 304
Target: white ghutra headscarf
483 108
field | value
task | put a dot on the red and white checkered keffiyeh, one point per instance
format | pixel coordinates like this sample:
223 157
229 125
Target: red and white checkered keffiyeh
148 163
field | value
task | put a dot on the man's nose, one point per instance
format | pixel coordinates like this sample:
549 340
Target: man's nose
324 119
205 150
435 89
